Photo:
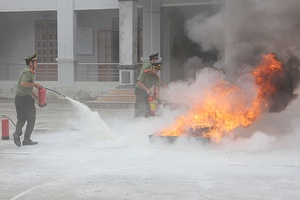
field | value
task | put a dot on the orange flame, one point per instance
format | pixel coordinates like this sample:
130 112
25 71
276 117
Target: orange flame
226 106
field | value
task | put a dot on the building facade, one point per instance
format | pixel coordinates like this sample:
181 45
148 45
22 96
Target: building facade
94 45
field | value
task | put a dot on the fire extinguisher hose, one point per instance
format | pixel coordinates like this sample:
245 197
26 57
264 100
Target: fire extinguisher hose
55 92
3 116
158 100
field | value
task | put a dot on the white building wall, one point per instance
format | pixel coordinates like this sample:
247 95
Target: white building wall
17 36
99 20
17 20
25 5
95 4
152 26
38 5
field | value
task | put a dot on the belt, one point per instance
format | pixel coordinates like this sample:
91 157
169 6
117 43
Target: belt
23 97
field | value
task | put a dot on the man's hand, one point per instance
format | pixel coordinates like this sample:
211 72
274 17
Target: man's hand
149 92
163 84
141 85
37 85
158 100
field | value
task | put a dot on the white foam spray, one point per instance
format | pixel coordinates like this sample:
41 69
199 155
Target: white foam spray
90 124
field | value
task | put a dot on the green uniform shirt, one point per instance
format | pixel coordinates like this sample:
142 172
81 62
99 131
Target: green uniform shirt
145 66
148 79
25 76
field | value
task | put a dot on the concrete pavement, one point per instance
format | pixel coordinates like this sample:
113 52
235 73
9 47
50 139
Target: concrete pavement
82 155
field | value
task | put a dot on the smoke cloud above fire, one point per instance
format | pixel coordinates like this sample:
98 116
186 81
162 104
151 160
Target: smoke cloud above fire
242 31
256 70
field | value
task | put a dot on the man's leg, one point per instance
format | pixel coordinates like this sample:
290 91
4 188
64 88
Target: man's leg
137 107
19 127
30 116
21 121
141 108
29 128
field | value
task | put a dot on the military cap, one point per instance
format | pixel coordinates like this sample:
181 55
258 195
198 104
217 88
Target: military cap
156 65
31 57
155 55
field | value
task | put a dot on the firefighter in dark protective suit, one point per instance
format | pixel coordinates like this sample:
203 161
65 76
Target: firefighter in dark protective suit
26 111
146 80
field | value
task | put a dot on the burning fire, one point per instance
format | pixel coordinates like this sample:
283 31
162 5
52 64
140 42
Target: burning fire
226 106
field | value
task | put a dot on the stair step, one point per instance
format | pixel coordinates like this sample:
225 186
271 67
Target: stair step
121 92
110 105
116 98
112 102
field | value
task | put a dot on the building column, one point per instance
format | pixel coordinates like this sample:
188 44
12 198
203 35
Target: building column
66 30
151 28
128 42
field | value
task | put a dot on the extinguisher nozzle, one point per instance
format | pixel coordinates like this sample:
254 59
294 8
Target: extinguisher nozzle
55 92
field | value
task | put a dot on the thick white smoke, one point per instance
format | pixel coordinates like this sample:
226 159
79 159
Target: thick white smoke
241 32
244 29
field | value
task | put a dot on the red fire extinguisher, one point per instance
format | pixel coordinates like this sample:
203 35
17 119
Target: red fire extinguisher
5 129
42 97
152 105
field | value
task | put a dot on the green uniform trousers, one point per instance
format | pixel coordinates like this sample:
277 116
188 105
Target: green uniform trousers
26 112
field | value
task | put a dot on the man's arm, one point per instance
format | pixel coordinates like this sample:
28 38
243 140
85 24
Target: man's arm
35 94
36 85
142 85
27 84
162 83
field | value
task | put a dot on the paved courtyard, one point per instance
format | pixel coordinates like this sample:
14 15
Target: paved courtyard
106 154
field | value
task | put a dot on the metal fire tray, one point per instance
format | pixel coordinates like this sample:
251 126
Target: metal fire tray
192 133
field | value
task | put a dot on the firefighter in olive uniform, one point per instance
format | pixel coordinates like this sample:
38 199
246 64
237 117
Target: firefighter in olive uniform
153 58
146 80
26 111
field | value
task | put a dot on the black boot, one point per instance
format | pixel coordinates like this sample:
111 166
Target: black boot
28 142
